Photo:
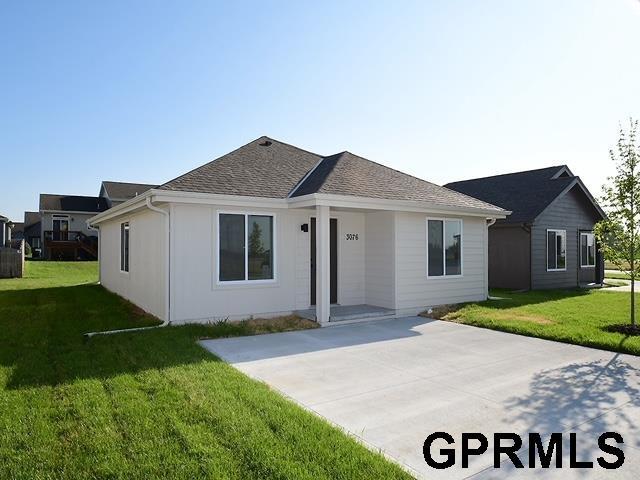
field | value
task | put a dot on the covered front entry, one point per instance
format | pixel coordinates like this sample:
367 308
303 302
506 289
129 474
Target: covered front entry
333 260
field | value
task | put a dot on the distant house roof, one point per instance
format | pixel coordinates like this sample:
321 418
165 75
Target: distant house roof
268 168
125 190
72 203
3 218
31 218
526 194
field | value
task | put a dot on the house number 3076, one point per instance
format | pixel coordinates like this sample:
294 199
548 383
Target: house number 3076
351 236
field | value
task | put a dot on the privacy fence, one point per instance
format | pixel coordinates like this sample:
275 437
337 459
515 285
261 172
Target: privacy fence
12 261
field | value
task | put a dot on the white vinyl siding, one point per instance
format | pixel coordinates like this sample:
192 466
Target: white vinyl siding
414 288
145 284
380 259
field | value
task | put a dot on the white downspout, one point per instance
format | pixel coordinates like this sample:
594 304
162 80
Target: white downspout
490 222
167 321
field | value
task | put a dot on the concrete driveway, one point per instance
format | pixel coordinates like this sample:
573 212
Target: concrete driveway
393 383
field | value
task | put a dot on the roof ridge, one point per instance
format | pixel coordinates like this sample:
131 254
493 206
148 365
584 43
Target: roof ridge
232 152
554 167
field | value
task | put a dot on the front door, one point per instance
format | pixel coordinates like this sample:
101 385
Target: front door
60 228
333 260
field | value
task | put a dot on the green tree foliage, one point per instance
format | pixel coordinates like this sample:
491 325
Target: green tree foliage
618 235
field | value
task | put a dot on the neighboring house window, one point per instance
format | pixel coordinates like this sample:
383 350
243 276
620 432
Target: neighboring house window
245 247
444 247
587 249
124 247
35 242
556 250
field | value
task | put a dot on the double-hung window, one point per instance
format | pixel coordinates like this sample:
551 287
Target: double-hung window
556 250
444 247
587 249
245 247
124 247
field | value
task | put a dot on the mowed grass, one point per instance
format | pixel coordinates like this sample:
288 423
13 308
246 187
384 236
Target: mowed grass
617 275
143 405
44 274
581 317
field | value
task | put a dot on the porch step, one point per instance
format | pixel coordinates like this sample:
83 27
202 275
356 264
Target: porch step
337 323
350 313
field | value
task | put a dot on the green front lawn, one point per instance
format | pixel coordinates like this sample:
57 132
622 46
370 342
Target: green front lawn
580 317
618 275
143 405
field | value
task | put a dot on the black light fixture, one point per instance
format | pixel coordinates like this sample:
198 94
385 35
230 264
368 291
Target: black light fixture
304 227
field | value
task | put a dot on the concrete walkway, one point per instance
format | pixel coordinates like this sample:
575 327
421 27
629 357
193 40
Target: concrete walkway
392 383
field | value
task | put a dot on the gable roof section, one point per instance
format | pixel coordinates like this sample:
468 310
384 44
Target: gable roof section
348 174
72 203
526 194
125 190
268 168
261 168
31 218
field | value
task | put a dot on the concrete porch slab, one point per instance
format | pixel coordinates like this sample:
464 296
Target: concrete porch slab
343 313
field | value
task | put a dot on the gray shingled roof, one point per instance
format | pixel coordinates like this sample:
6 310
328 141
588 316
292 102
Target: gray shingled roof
125 190
262 168
349 174
72 203
269 168
526 194
31 218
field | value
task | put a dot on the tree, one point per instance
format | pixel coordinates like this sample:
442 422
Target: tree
619 235
255 240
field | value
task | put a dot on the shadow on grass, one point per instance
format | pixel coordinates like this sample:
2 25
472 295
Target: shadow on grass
42 343
510 299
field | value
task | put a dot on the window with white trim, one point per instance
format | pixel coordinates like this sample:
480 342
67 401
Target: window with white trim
124 247
556 250
245 247
444 247
587 249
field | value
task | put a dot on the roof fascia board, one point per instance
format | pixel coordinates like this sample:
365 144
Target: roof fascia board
347 201
217 199
76 212
562 170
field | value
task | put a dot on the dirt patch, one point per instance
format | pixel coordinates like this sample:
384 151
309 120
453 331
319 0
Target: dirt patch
442 312
521 316
455 313
286 323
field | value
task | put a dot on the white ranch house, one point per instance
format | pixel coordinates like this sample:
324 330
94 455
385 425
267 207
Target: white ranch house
271 229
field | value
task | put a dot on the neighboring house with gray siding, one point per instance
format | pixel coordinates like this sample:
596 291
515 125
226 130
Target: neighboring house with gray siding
547 241
270 229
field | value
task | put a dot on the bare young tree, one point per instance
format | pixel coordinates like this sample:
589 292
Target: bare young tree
619 235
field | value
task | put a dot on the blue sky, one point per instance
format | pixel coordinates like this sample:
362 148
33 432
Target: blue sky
445 90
